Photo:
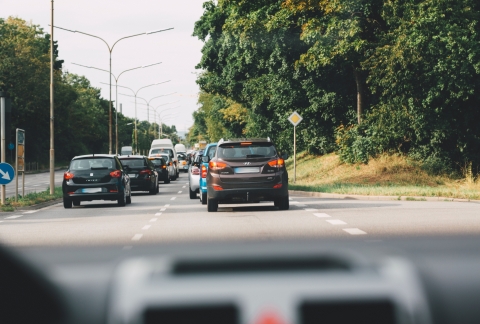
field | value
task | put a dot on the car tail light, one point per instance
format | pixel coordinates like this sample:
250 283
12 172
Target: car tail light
277 186
195 170
217 165
278 163
113 190
147 171
68 175
164 166
217 187
184 162
116 174
204 171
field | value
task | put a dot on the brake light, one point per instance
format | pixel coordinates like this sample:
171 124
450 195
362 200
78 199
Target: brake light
277 186
184 162
68 175
147 171
217 165
164 166
204 171
116 174
217 187
279 163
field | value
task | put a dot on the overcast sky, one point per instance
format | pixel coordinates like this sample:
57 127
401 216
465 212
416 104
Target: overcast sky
178 51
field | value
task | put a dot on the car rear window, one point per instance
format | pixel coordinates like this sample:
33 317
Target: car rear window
162 150
157 162
246 150
92 164
134 163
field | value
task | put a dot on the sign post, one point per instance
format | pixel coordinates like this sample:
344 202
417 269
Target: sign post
2 139
20 160
295 119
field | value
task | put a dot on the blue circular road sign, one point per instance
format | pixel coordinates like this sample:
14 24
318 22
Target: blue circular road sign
11 146
6 173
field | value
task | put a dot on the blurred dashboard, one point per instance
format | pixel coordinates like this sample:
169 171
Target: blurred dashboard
391 281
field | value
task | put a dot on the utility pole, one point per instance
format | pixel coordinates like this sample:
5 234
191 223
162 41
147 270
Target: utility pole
52 147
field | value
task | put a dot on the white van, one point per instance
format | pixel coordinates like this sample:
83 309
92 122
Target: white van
164 145
126 150
180 148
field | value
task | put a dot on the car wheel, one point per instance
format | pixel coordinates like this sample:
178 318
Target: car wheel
167 180
76 202
193 194
212 205
122 198
129 197
203 198
282 204
153 191
67 203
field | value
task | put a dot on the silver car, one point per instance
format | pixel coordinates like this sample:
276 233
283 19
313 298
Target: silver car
194 175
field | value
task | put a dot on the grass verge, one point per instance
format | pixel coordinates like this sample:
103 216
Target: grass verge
384 176
31 199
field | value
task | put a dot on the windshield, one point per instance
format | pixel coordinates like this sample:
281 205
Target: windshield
133 163
246 150
91 164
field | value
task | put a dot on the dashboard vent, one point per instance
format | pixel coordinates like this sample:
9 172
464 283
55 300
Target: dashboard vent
347 312
230 266
190 314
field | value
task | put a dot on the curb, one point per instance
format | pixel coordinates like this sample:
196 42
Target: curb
46 170
363 197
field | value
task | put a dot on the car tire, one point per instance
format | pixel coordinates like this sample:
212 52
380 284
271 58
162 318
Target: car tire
212 205
167 180
153 191
203 198
129 198
122 199
67 203
76 202
283 203
193 194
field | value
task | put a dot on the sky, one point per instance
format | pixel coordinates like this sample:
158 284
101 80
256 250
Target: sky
111 20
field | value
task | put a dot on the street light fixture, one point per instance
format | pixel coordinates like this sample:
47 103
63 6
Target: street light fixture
148 102
162 119
116 93
110 49
135 95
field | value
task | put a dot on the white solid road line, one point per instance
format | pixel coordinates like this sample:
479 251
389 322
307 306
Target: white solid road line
354 231
30 212
158 214
336 222
137 237
14 216
179 192
146 227
321 215
153 219
173 198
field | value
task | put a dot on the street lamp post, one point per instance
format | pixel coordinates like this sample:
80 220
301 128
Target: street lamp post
148 102
116 93
135 93
163 118
155 111
110 49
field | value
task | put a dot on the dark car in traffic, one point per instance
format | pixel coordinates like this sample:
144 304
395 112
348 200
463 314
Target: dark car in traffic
247 170
142 173
95 177
161 167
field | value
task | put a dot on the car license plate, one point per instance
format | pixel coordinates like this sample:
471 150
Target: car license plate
247 170
132 175
91 190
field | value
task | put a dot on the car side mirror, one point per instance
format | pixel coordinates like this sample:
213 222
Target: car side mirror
205 159
284 156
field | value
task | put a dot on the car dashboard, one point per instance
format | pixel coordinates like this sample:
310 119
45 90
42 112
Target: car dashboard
400 281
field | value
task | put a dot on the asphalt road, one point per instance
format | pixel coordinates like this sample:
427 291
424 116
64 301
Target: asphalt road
170 216
34 183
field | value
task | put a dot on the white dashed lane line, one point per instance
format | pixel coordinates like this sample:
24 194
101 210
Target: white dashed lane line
13 217
163 209
137 237
158 214
354 231
311 209
321 215
173 198
179 192
154 219
335 222
30 212
146 227
167 205
184 186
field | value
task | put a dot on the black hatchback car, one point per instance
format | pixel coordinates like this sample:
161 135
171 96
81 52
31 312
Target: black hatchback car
161 168
246 170
141 171
95 177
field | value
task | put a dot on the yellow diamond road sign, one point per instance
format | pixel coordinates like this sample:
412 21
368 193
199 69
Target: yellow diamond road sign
295 118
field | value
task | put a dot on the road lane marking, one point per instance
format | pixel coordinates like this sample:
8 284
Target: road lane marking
14 216
294 202
30 212
173 198
146 227
167 205
354 231
137 237
158 214
311 209
300 205
321 215
336 222
163 209
154 219
179 192
184 186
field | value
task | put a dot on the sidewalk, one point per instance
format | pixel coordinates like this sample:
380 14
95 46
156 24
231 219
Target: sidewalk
361 197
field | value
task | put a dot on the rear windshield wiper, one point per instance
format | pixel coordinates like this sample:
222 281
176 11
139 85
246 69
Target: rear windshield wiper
102 168
254 155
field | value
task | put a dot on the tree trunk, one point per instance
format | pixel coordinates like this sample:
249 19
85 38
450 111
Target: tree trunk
359 83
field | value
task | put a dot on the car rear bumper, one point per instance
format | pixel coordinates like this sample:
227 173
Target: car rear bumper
92 196
141 184
247 194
